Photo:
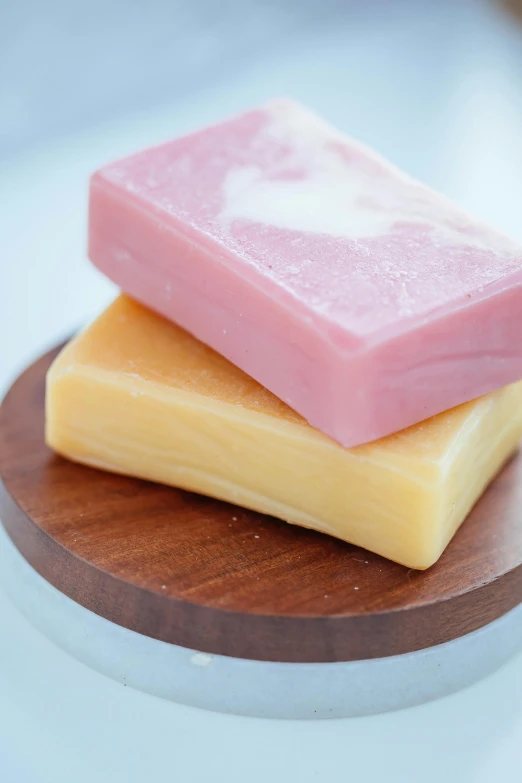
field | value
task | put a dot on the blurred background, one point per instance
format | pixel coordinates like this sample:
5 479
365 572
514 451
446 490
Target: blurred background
436 85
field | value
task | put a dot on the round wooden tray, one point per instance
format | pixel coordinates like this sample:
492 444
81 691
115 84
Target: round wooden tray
212 577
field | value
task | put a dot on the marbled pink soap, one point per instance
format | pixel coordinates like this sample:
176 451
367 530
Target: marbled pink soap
361 298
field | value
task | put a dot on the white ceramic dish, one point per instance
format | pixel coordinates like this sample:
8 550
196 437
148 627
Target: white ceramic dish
255 688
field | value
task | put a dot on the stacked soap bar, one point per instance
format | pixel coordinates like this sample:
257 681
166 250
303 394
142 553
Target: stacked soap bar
361 298
136 394
364 301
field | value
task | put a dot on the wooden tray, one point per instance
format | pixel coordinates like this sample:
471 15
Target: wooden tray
209 576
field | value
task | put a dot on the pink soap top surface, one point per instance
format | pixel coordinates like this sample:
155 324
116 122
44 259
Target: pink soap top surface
320 221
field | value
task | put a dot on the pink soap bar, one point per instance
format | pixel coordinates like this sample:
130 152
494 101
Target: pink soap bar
361 298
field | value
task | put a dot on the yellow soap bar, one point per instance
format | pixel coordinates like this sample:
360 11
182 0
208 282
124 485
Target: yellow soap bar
135 394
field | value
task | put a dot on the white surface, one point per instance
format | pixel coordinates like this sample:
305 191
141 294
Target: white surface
438 90
260 689
62 722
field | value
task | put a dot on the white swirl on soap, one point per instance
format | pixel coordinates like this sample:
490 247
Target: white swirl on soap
327 195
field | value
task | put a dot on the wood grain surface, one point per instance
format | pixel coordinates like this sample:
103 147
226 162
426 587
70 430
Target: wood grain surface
213 577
